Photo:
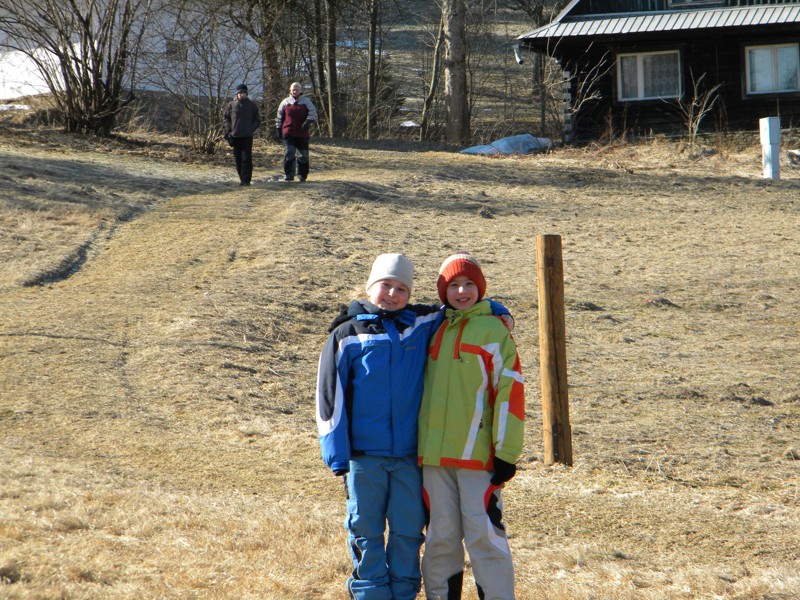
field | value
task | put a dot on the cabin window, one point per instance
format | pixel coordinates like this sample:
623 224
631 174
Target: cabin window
649 75
773 69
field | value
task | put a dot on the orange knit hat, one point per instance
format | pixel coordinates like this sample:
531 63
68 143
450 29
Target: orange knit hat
460 263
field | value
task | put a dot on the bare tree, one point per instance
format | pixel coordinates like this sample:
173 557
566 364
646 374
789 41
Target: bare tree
339 49
455 72
434 83
300 37
331 70
259 18
585 88
567 90
198 59
539 11
319 52
336 117
696 107
86 50
372 80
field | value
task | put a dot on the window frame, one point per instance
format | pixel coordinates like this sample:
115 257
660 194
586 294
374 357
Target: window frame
639 76
749 92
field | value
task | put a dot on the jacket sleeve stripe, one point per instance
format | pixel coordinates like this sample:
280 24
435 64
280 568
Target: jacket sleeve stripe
332 422
501 427
330 400
515 375
516 400
510 413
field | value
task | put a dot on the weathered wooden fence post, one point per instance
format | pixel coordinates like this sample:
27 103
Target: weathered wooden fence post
553 351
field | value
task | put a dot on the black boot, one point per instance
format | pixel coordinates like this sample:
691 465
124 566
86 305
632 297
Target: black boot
454 585
302 170
288 170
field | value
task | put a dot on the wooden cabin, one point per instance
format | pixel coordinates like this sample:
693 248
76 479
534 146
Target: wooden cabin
646 61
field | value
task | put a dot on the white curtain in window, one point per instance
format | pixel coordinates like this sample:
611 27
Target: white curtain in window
661 75
773 69
629 78
760 65
649 75
788 67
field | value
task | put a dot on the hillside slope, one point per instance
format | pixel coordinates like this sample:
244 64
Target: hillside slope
160 330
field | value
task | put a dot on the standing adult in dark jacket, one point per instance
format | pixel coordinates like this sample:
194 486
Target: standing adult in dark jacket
295 116
240 121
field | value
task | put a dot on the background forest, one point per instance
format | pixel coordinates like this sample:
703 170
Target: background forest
441 71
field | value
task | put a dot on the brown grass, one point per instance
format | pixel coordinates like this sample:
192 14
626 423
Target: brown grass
156 408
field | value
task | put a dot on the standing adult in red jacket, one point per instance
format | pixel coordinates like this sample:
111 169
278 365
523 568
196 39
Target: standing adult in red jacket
295 116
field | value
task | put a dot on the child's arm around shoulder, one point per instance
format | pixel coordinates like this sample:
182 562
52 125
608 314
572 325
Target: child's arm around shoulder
498 310
501 311
423 309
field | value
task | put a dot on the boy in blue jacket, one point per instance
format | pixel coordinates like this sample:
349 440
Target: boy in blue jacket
369 389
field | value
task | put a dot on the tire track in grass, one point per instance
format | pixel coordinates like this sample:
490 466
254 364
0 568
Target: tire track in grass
149 293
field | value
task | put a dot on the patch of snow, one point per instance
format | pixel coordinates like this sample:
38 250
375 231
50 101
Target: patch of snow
19 76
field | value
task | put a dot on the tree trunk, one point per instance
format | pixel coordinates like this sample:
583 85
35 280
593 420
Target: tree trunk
319 48
372 80
333 92
434 84
273 81
455 72
258 18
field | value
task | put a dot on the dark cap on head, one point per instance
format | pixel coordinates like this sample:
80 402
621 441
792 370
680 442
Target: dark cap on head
241 88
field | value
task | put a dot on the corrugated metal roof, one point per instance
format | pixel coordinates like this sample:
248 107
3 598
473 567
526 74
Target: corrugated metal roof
711 18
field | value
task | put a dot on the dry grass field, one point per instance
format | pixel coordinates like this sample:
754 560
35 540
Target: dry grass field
160 327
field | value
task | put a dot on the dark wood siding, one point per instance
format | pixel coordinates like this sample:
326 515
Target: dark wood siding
719 56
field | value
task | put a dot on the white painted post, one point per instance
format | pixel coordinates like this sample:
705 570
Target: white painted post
770 128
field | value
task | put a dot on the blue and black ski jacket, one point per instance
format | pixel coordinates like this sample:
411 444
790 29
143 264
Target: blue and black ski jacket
369 384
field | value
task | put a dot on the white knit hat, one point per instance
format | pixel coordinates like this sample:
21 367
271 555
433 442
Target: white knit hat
392 266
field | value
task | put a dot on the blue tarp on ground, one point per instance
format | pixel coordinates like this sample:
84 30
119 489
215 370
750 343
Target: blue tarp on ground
516 144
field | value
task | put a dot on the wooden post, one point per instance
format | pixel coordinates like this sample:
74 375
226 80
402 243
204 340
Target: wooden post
553 351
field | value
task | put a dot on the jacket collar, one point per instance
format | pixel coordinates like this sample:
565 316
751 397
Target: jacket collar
364 310
479 309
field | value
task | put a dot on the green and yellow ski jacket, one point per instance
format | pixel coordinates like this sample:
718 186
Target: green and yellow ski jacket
473 403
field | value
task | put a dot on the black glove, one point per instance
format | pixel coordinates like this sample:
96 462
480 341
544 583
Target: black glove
340 472
229 139
503 471
278 135
306 125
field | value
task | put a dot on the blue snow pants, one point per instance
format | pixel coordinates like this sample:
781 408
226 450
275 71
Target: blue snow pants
383 490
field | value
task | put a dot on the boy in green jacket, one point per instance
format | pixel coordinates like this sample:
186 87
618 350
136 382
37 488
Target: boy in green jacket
471 428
